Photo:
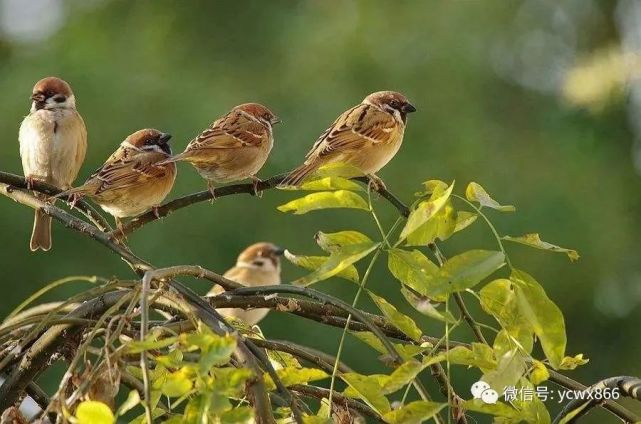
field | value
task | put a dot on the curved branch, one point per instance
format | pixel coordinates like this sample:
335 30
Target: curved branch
320 393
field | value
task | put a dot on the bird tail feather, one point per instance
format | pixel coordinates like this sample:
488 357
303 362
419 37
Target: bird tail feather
298 175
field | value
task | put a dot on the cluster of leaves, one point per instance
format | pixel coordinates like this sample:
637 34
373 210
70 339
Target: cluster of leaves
516 301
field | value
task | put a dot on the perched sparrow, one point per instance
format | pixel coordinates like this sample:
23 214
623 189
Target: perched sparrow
366 136
234 147
53 143
133 179
257 265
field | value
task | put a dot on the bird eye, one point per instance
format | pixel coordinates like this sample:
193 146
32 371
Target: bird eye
59 98
394 104
258 263
267 117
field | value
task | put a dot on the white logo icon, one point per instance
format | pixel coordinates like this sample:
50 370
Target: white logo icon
481 390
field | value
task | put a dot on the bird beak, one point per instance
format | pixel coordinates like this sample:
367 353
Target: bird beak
279 251
164 138
408 108
275 120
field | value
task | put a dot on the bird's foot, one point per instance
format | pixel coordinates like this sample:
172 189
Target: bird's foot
376 183
212 191
255 182
156 211
30 180
73 199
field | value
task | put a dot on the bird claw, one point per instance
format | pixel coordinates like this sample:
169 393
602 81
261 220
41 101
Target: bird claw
376 183
156 211
73 199
30 181
255 182
212 191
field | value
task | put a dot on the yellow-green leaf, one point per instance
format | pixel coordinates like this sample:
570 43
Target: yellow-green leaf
414 412
338 169
238 415
399 320
325 200
476 193
402 376
337 262
312 263
150 343
94 412
133 399
334 242
424 212
412 268
571 362
331 183
539 373
290 376
545 318
511 367
424 306
498 298
464 271
463 220
316 419
177 384
498 409
534 240
440 227
369 389
407 351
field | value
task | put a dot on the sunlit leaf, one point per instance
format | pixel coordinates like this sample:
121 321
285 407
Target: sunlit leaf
515 338
412 268
424 211
570 416
338 262
312 263
498 298
325 200
177 384
150 343
440 227
498 409
230 380
414 412
238 415
369 389
316 419
218 352
511 367
338 169
532 410
533 240
291 376
464 271
539 373
133 399
483 356
425 307
571 362
399 320
476 193
334 242
406 351
544 316
402 376
331 183
94 412
463 220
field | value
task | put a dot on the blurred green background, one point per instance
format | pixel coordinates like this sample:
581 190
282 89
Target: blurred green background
535 100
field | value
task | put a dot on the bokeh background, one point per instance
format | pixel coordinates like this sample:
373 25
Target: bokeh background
537 100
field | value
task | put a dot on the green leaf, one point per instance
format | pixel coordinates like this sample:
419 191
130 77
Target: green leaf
440 227
325 200
402 376
331 183
539 373
543 315
534 240
177 383
338 169
338 262
290 376
511 367
369 389
229 380
218 352
424 212
464 271
150 343
412 268
506 340
94 412
498 409
569 418
238 415
312 263
424 306
476 193
407 351
133 399
399 320
414 412
571 362
316 419
498 298
334 242
463 220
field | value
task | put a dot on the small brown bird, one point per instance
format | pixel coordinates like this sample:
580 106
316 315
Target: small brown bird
234 147
53 143
133 179
366 136
257 265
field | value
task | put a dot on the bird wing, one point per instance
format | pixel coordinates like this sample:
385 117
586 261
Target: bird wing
236 274
126 168
232 131
356 128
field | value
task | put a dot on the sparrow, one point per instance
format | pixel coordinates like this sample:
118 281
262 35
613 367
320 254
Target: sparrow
366 137
257 265
133 180
234 147
53 143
